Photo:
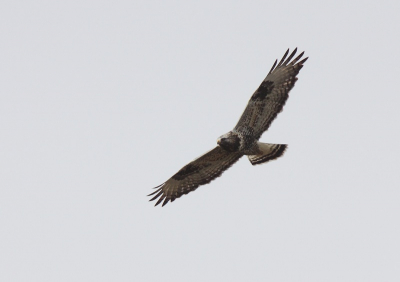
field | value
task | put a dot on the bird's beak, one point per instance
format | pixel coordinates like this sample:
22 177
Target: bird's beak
219 141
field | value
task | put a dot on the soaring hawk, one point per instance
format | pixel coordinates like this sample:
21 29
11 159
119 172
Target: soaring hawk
264 105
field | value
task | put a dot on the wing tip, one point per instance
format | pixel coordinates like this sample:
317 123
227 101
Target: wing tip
158 192
283 58
160 200
303 61
290 57
165 202
288 60
160 196
273 66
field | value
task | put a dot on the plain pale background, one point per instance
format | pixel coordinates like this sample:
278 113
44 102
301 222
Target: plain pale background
103 100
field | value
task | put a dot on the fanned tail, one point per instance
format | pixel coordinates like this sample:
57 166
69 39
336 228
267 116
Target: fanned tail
269 152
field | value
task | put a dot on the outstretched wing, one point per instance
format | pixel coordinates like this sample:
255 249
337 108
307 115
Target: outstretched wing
199 172
269 99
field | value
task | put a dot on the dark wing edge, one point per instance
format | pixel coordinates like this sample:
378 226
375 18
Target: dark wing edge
270 97
201 171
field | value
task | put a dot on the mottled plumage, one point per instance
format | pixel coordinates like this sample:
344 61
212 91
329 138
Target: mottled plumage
264 105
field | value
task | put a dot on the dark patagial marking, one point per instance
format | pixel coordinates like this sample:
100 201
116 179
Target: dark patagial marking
230 144
265 88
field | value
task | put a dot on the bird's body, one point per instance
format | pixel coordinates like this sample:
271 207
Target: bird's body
239 141
264 105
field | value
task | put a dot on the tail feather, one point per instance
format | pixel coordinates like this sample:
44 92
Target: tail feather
269 152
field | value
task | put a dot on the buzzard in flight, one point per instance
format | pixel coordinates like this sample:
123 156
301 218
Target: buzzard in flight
264 105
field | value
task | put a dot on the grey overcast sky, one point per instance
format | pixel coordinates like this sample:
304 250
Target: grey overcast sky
102 100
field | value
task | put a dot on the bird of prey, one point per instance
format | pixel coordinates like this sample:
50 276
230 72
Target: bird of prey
262 108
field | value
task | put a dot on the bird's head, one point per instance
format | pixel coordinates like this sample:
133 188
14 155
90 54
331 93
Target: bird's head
229 142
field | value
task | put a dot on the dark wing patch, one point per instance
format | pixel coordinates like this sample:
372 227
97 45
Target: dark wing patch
262 91
269 99
188 170
199 172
